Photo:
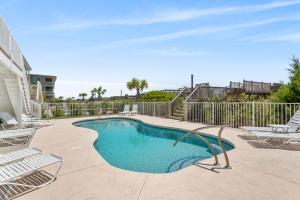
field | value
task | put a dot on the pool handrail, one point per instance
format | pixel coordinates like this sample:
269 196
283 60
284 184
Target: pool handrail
201 138
194 132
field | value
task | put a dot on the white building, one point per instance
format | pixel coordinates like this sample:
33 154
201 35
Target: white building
14 87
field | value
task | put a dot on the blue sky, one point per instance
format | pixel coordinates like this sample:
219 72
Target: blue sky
91 43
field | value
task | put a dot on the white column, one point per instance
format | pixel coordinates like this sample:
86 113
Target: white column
19 107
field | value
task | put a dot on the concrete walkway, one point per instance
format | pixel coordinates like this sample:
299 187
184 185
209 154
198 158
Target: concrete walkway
258 174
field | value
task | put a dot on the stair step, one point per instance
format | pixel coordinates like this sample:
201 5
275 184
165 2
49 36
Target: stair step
178 114
177 118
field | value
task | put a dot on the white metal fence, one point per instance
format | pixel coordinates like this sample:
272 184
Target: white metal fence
233 114
76 109
237 114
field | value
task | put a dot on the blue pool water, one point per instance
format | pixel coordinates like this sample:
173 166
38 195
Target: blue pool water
135 146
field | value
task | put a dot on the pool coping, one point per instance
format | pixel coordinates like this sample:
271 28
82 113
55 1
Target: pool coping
255 173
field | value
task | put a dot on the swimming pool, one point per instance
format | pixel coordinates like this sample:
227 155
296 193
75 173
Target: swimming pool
133 145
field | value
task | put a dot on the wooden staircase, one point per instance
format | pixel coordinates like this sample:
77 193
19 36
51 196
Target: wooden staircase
178 113
177 103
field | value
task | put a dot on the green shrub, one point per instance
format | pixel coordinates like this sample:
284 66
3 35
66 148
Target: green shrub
158 96
57 111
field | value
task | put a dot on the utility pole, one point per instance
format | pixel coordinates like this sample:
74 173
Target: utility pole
192 82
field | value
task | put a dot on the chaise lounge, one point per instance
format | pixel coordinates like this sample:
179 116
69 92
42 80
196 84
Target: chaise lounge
17 136
13 174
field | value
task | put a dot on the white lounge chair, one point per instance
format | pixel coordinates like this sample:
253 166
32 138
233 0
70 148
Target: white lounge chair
134 109
126 110
11 175
34 122
281 138
292 126
253 128
7 120
17 136
18 155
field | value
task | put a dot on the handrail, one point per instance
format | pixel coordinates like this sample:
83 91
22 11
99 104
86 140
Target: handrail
192 92
178 95
201 138
195 90
222 147
194 132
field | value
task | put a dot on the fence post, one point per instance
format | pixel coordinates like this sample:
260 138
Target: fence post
170 109
213 113
143 108
154 108
253 114
100 108
185 110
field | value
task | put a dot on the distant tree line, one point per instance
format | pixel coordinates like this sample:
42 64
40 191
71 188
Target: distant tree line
287 93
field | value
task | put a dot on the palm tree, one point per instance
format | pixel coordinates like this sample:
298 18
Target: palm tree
94 92
82 95
138 85
100 91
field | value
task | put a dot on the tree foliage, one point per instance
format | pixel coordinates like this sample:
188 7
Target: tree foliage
82 95
99 91
138 85
290 93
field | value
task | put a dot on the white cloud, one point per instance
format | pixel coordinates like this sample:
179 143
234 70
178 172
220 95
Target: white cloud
290 37
169 52
169 15
200 31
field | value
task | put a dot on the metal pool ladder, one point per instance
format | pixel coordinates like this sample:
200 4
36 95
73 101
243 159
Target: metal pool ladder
194 132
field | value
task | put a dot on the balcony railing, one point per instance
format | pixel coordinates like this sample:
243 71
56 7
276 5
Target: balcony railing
9 46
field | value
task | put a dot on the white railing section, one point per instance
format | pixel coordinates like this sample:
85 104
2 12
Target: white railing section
4 38
76 109
236 114
16 54
26 91
35 109
9 46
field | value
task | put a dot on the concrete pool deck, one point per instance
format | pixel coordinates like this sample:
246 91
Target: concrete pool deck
256 173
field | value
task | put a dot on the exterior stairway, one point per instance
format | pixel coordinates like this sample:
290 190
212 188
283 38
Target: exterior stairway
178 113
12 90
13 75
